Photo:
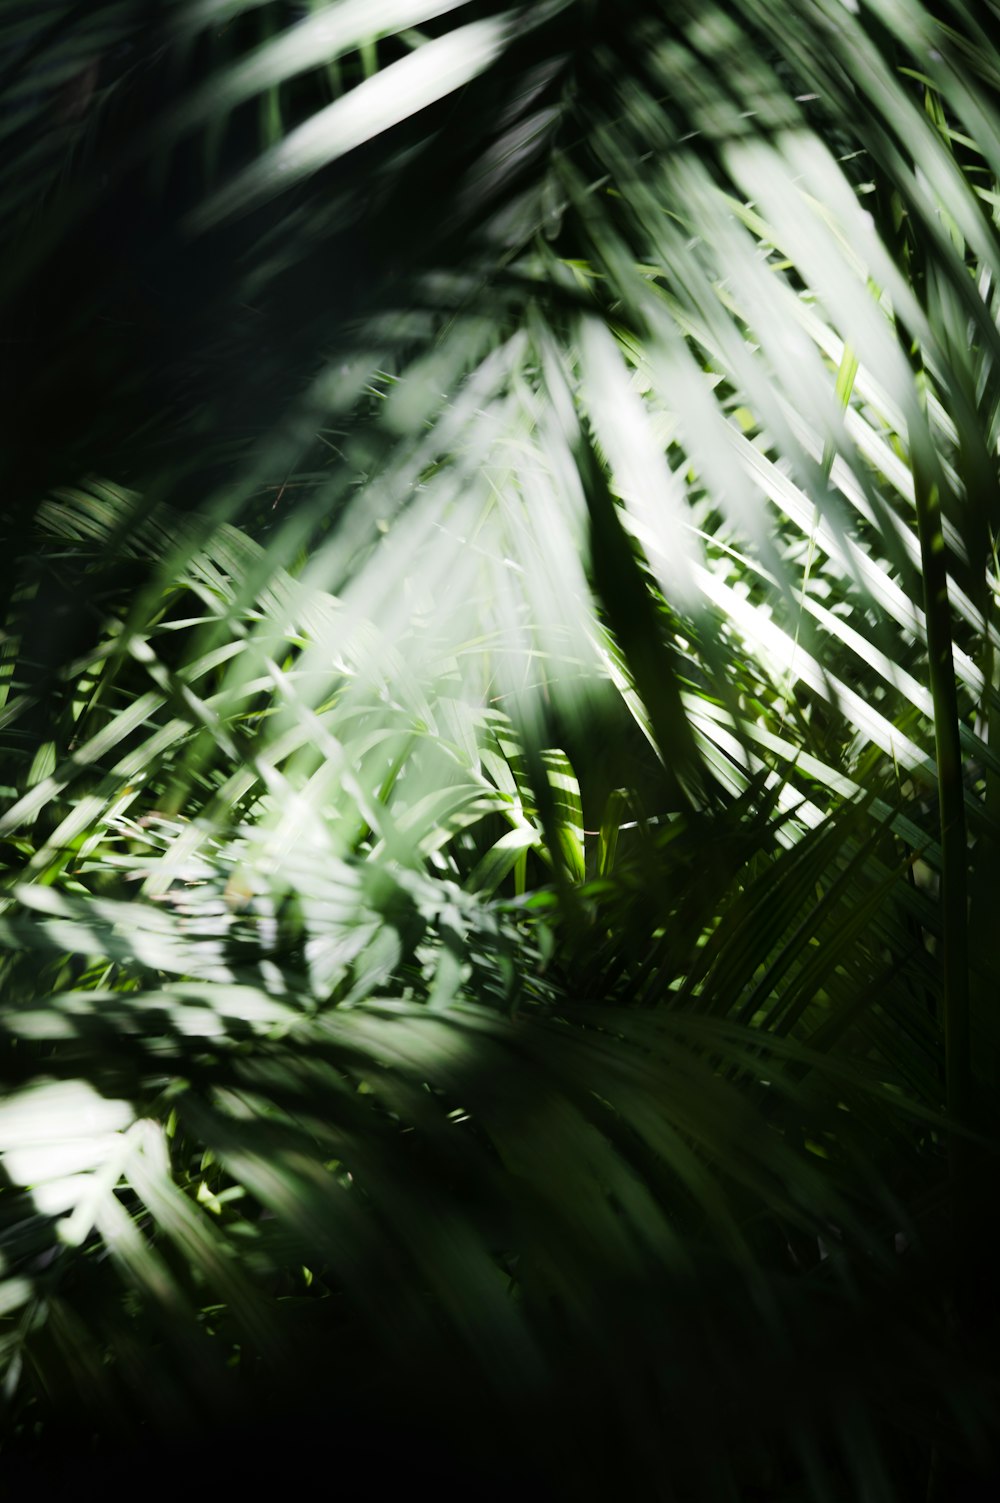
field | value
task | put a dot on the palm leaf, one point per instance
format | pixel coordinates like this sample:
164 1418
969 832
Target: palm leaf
490 853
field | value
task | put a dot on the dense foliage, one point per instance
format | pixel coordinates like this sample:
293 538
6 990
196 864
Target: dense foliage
499 709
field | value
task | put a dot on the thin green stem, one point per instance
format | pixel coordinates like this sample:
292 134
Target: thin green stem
951 798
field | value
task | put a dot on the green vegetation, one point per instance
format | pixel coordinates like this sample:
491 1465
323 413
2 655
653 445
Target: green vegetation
499 715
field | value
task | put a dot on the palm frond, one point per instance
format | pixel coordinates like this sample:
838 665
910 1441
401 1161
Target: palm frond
494 770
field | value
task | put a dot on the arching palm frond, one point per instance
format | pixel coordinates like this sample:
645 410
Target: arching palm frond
494 771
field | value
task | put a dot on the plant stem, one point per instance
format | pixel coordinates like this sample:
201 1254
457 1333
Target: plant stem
951 798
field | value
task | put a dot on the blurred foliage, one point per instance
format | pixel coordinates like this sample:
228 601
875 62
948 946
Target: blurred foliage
498 703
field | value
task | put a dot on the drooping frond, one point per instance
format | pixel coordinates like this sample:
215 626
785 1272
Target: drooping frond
498 703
